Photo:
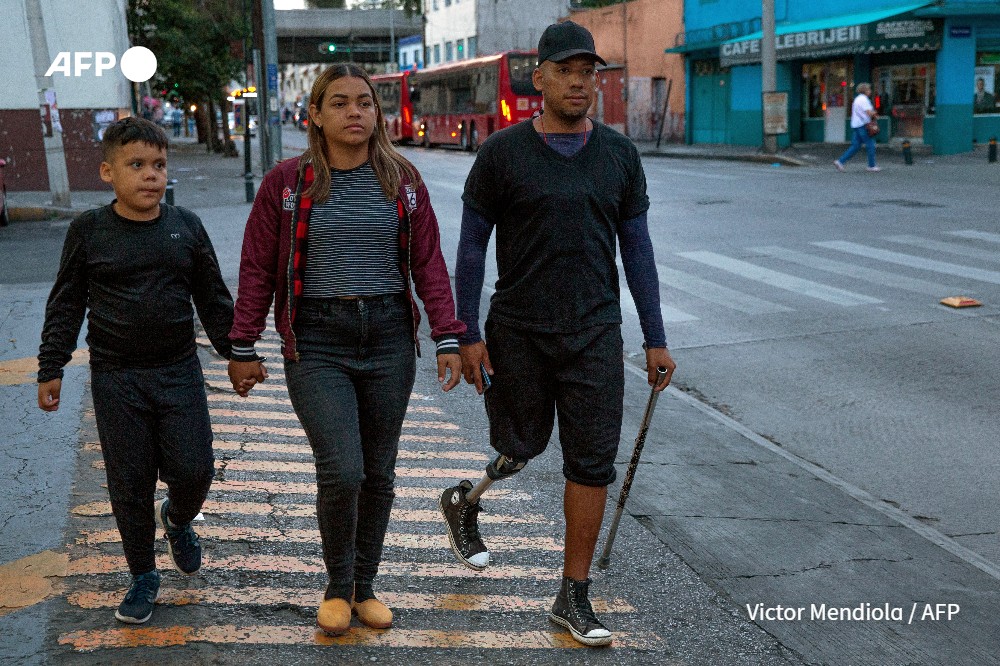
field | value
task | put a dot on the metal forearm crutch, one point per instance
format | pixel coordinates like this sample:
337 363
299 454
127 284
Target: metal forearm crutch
640 441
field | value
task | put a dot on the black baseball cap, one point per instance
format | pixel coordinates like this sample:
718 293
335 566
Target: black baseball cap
562 41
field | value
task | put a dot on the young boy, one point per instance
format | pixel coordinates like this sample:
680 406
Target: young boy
136 265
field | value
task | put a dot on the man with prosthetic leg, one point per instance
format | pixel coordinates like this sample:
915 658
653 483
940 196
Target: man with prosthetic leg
564 194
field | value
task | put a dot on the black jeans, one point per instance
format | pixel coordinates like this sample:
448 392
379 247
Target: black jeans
153 421
350 389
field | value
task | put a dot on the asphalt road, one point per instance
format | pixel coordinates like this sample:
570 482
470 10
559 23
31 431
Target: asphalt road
805 304
832 440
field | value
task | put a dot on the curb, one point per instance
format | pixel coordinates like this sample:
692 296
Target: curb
42 213
756 158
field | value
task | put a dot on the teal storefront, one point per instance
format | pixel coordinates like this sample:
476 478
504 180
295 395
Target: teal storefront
935 71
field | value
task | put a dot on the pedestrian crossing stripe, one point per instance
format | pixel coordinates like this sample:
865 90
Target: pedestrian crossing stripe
947 248
285 467
250 404
261 415
306 450
252 430
216 508
160 637
100 564
310 597
291 488
912 261
392 539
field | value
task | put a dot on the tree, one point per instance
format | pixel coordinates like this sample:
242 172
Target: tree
198 48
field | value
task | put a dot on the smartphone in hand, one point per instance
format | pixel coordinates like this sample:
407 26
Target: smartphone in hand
486 377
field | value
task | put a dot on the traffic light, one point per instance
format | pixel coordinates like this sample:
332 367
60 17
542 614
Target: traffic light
327 47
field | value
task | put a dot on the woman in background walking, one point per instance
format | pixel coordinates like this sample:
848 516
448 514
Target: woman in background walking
862 113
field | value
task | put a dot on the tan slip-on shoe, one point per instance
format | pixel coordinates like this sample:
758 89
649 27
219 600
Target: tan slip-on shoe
373 613
334 616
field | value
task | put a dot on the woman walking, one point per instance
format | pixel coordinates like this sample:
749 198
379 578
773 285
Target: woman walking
334 238
862 113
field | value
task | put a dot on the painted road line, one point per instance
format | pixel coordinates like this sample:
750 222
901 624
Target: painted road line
272 374
262 415
271 400
670 314
267 386
992 277
24 370
305 450
393 539
287 467
269 346
90 640
780 280
309 597
977 235
948 248
214 508
716 293
254 430
96 565
854 271
291 488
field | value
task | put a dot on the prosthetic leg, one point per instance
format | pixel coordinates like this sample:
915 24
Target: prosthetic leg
500 468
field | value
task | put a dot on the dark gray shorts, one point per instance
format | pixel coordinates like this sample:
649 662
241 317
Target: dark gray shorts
579 377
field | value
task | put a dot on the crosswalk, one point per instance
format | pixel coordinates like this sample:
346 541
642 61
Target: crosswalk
263 573
765 280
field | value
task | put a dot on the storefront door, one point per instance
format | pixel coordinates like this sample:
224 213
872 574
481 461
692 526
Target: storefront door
710 102
826 101
904 93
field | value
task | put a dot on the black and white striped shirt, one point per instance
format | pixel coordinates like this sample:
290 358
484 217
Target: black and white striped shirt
353 239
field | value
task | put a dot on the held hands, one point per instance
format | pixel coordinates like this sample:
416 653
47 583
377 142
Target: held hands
449 363
245 375
472 356
48 395
659 358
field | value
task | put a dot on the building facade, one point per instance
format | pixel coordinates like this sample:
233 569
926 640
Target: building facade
633 88
934 67
461 29
411 53
80 104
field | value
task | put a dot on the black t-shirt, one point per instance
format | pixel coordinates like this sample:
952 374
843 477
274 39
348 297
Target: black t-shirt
137 279
556 220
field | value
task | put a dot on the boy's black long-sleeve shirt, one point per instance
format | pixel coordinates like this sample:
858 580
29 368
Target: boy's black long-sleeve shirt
137 280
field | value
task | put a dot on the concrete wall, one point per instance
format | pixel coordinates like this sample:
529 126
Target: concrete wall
651 27
504 25
69 26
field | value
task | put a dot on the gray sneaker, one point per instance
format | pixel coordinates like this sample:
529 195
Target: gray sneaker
572 610
462 518
183 544
137 606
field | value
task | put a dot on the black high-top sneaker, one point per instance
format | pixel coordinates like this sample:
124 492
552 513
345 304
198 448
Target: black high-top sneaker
462 518
183 544
572 610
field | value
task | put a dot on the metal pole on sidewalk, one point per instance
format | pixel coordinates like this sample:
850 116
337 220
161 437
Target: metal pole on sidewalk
52 139
269 121
247 64
768 65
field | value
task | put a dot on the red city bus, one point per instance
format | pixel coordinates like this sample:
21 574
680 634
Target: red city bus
397 108
462 103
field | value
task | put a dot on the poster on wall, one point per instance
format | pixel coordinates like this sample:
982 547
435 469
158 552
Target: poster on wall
984 94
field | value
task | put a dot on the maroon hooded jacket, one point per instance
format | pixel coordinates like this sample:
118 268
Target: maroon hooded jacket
274 259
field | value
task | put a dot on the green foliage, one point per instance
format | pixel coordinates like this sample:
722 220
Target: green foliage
197 44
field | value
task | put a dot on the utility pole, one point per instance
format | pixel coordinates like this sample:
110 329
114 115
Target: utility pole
247 64
625 60
269 115
769 67
55 153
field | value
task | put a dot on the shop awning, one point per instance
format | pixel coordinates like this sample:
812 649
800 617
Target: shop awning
876 31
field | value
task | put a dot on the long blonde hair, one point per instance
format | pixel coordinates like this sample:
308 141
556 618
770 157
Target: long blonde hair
388 165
